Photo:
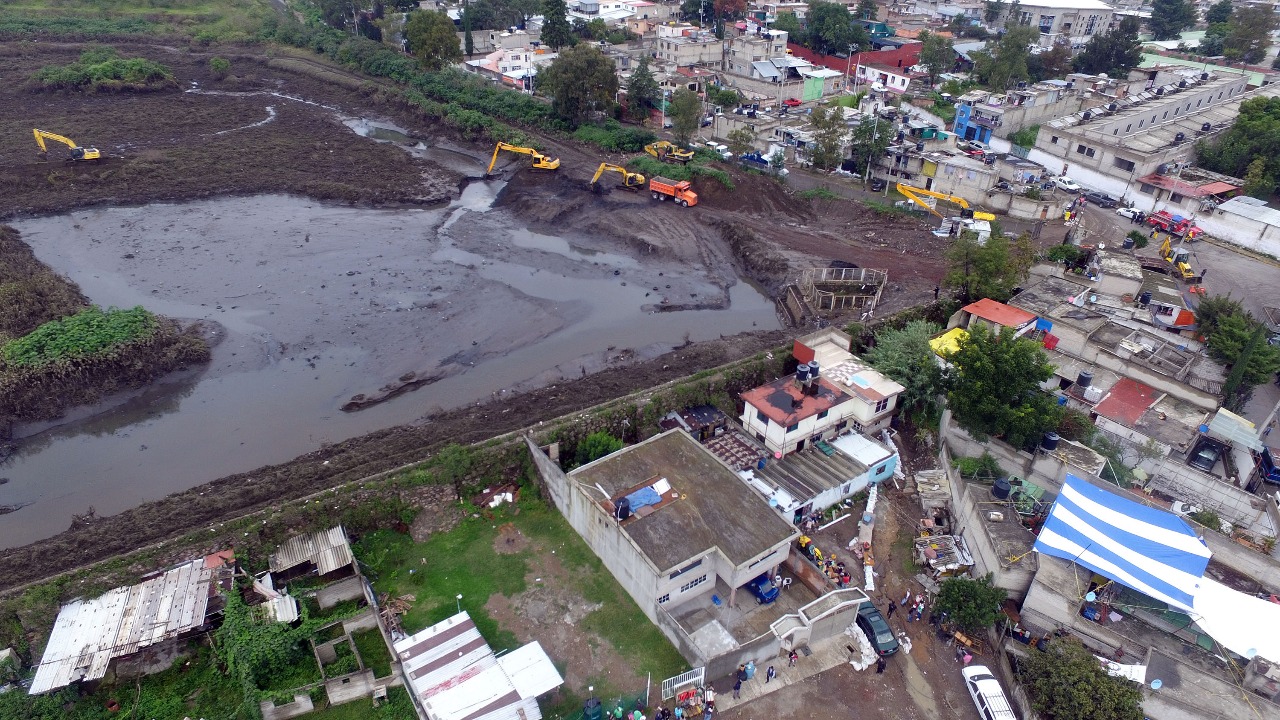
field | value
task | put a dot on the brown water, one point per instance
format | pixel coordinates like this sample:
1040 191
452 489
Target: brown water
318 303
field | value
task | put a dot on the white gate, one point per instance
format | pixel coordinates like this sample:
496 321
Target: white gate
691 679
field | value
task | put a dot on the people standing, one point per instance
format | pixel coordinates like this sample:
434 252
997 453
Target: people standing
892 606
769 674
791 659
906 598
880 663
709 697
737 688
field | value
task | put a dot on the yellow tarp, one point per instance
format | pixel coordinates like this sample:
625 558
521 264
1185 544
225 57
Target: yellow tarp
948 342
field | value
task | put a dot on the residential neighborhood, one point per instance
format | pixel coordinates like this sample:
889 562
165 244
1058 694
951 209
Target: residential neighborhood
587 359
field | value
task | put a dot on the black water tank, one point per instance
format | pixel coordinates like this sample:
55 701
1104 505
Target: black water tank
1182 83
1159 91
802 373
1179 137
624 509
1127 243
901 136
813 369
1204 76
1084 379
1088 115
1050 441
1144 298
919 147
1000 490
1071 84
1206 127
1112 107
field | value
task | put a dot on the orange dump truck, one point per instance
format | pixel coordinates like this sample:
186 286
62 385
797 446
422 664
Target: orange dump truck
662 188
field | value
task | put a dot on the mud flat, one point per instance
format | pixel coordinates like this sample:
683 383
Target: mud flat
314 306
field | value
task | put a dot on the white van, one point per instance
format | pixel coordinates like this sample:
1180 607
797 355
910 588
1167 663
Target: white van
987 694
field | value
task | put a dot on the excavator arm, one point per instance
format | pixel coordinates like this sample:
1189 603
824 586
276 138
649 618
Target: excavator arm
913 194
77 152
630 180
540 161
667 150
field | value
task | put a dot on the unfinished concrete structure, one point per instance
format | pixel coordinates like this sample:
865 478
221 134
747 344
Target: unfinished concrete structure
831 288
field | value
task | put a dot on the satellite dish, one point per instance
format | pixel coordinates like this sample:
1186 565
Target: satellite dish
1090 596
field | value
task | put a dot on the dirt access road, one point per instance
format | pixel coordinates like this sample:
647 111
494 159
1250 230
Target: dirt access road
175 145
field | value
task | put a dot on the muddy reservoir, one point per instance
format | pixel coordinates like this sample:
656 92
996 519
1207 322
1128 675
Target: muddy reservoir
316 308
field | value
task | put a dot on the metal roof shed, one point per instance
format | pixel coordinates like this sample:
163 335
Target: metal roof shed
327 549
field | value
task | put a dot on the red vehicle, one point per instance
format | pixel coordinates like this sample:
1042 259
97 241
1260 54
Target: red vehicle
791 102
1173 224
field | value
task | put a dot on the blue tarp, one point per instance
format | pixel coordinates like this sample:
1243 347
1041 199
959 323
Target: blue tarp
1150 550
642 497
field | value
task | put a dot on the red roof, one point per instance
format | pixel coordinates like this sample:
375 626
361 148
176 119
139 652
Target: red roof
1126 402
782 402
999 313
1182 187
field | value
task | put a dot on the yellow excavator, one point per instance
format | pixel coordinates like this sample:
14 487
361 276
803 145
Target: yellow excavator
1180 258
668 151
630 180
77 153
913 194
540 161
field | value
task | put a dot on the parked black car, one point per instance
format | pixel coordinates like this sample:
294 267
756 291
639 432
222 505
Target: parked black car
877 184
1101 199
877 630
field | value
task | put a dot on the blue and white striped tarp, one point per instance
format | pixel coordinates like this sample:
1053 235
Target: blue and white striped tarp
1152 551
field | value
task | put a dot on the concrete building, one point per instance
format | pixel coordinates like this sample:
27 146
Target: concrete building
1061 21
749 48
512 67
701 49
1112 147
981 114
612 12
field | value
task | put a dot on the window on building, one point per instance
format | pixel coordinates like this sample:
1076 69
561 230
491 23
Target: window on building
1080 149
762 417
823 414
1141 123
1166 115
691 566
1089 152
1176 198
1054 140
760 437
1199 102
1128 127
793 427
1090 24
1046 23
1025 18
1164 310
1148 189
1123 164
693 584
882 405
842 425
1219 96
880 470
664 598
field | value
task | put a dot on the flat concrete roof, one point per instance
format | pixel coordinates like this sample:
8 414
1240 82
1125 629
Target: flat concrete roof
714 510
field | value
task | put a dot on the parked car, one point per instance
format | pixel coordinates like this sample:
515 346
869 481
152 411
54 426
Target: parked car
1101 199
877 184
1205 457
969 146
1128 212
763 589
987 694
877 630
1062 182
792 102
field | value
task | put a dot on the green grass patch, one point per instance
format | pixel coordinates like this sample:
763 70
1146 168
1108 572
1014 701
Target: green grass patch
204 21
91 331
302 671
464 562
652 167
615 138
102 69
373 651
344 664
818 193
880 207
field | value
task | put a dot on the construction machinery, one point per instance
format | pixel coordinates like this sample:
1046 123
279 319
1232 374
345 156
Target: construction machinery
77 153
540 161
1180 258
663 188
630 180
668 151
913 194
1173 224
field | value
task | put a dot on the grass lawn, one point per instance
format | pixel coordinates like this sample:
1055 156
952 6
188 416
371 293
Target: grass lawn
221 19
464 562
373 651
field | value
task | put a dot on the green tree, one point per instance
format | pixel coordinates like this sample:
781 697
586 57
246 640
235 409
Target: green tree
995 388
905 356
1114 52
581 81
452 465
831 29
741 141
867 10
992 269
219 67
829 136
1249 34
1256 180
556 32
643 93
468 42
1211 311
597 445
788 23
1214 40
1066 682
992 10
936 54
1006 63
974 605
868 141
1254 134
1237 340
432 40
1053 63
1170 17
685 112
1219 12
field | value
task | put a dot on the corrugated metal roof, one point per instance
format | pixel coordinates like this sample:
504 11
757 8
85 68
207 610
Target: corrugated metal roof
455 675
90 633
328 549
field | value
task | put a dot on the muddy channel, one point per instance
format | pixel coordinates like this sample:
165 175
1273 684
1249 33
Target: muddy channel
314 308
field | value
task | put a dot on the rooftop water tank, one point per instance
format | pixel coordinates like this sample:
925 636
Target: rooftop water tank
1000 490
1050 441
1084 379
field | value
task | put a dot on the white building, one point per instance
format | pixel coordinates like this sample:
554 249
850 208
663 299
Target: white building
1066 21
